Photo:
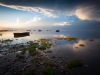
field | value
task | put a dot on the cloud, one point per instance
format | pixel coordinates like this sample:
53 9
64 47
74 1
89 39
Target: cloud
83 9
88 13
35 19
1 28
62 24
47 12
18 20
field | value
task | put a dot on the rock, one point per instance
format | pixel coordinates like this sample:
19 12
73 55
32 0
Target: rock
5 58
5 53
53 56
76 41
59 56
24 60
61 66
13 62
27 65
60 61
66 65
41 63
86 65
0 57
33 69
9 60
41 54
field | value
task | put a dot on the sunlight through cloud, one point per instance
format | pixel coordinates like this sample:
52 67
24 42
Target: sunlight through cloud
62 24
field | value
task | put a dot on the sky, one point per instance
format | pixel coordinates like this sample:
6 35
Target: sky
50 14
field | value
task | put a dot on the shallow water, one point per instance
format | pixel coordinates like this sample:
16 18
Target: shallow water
89 54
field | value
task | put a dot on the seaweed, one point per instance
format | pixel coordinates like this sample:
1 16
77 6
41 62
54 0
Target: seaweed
48 70
74 63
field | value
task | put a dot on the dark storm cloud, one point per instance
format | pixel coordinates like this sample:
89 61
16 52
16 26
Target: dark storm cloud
83 9
53 4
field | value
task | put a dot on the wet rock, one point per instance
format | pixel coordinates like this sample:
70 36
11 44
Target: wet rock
9 60
13 62
24 60
56 66
60 61
33 69
76 41
5 53
66 65
41 63
86 65
41 54
60 57
53 56
0 57
27 65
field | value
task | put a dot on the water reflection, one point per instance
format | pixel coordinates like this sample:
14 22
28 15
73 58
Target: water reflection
0 34
64 43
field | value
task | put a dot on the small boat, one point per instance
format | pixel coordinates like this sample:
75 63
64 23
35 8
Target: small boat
39 30
28 30
57 30
0 34
21 34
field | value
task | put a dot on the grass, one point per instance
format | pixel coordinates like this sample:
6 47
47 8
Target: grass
81 45
76 41
32 60
43 46
76 47
32 46
65 38
91 40
35 60
57 43
58 38
35 43
40 58
48 47
49 51
8 40
30 73
50 63
23 50
31 42
71 38
75 38
49 71
22 45
64 70
17 55
74 63
20 56
32 51
50 44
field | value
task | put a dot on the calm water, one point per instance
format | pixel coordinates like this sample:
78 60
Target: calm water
89 54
